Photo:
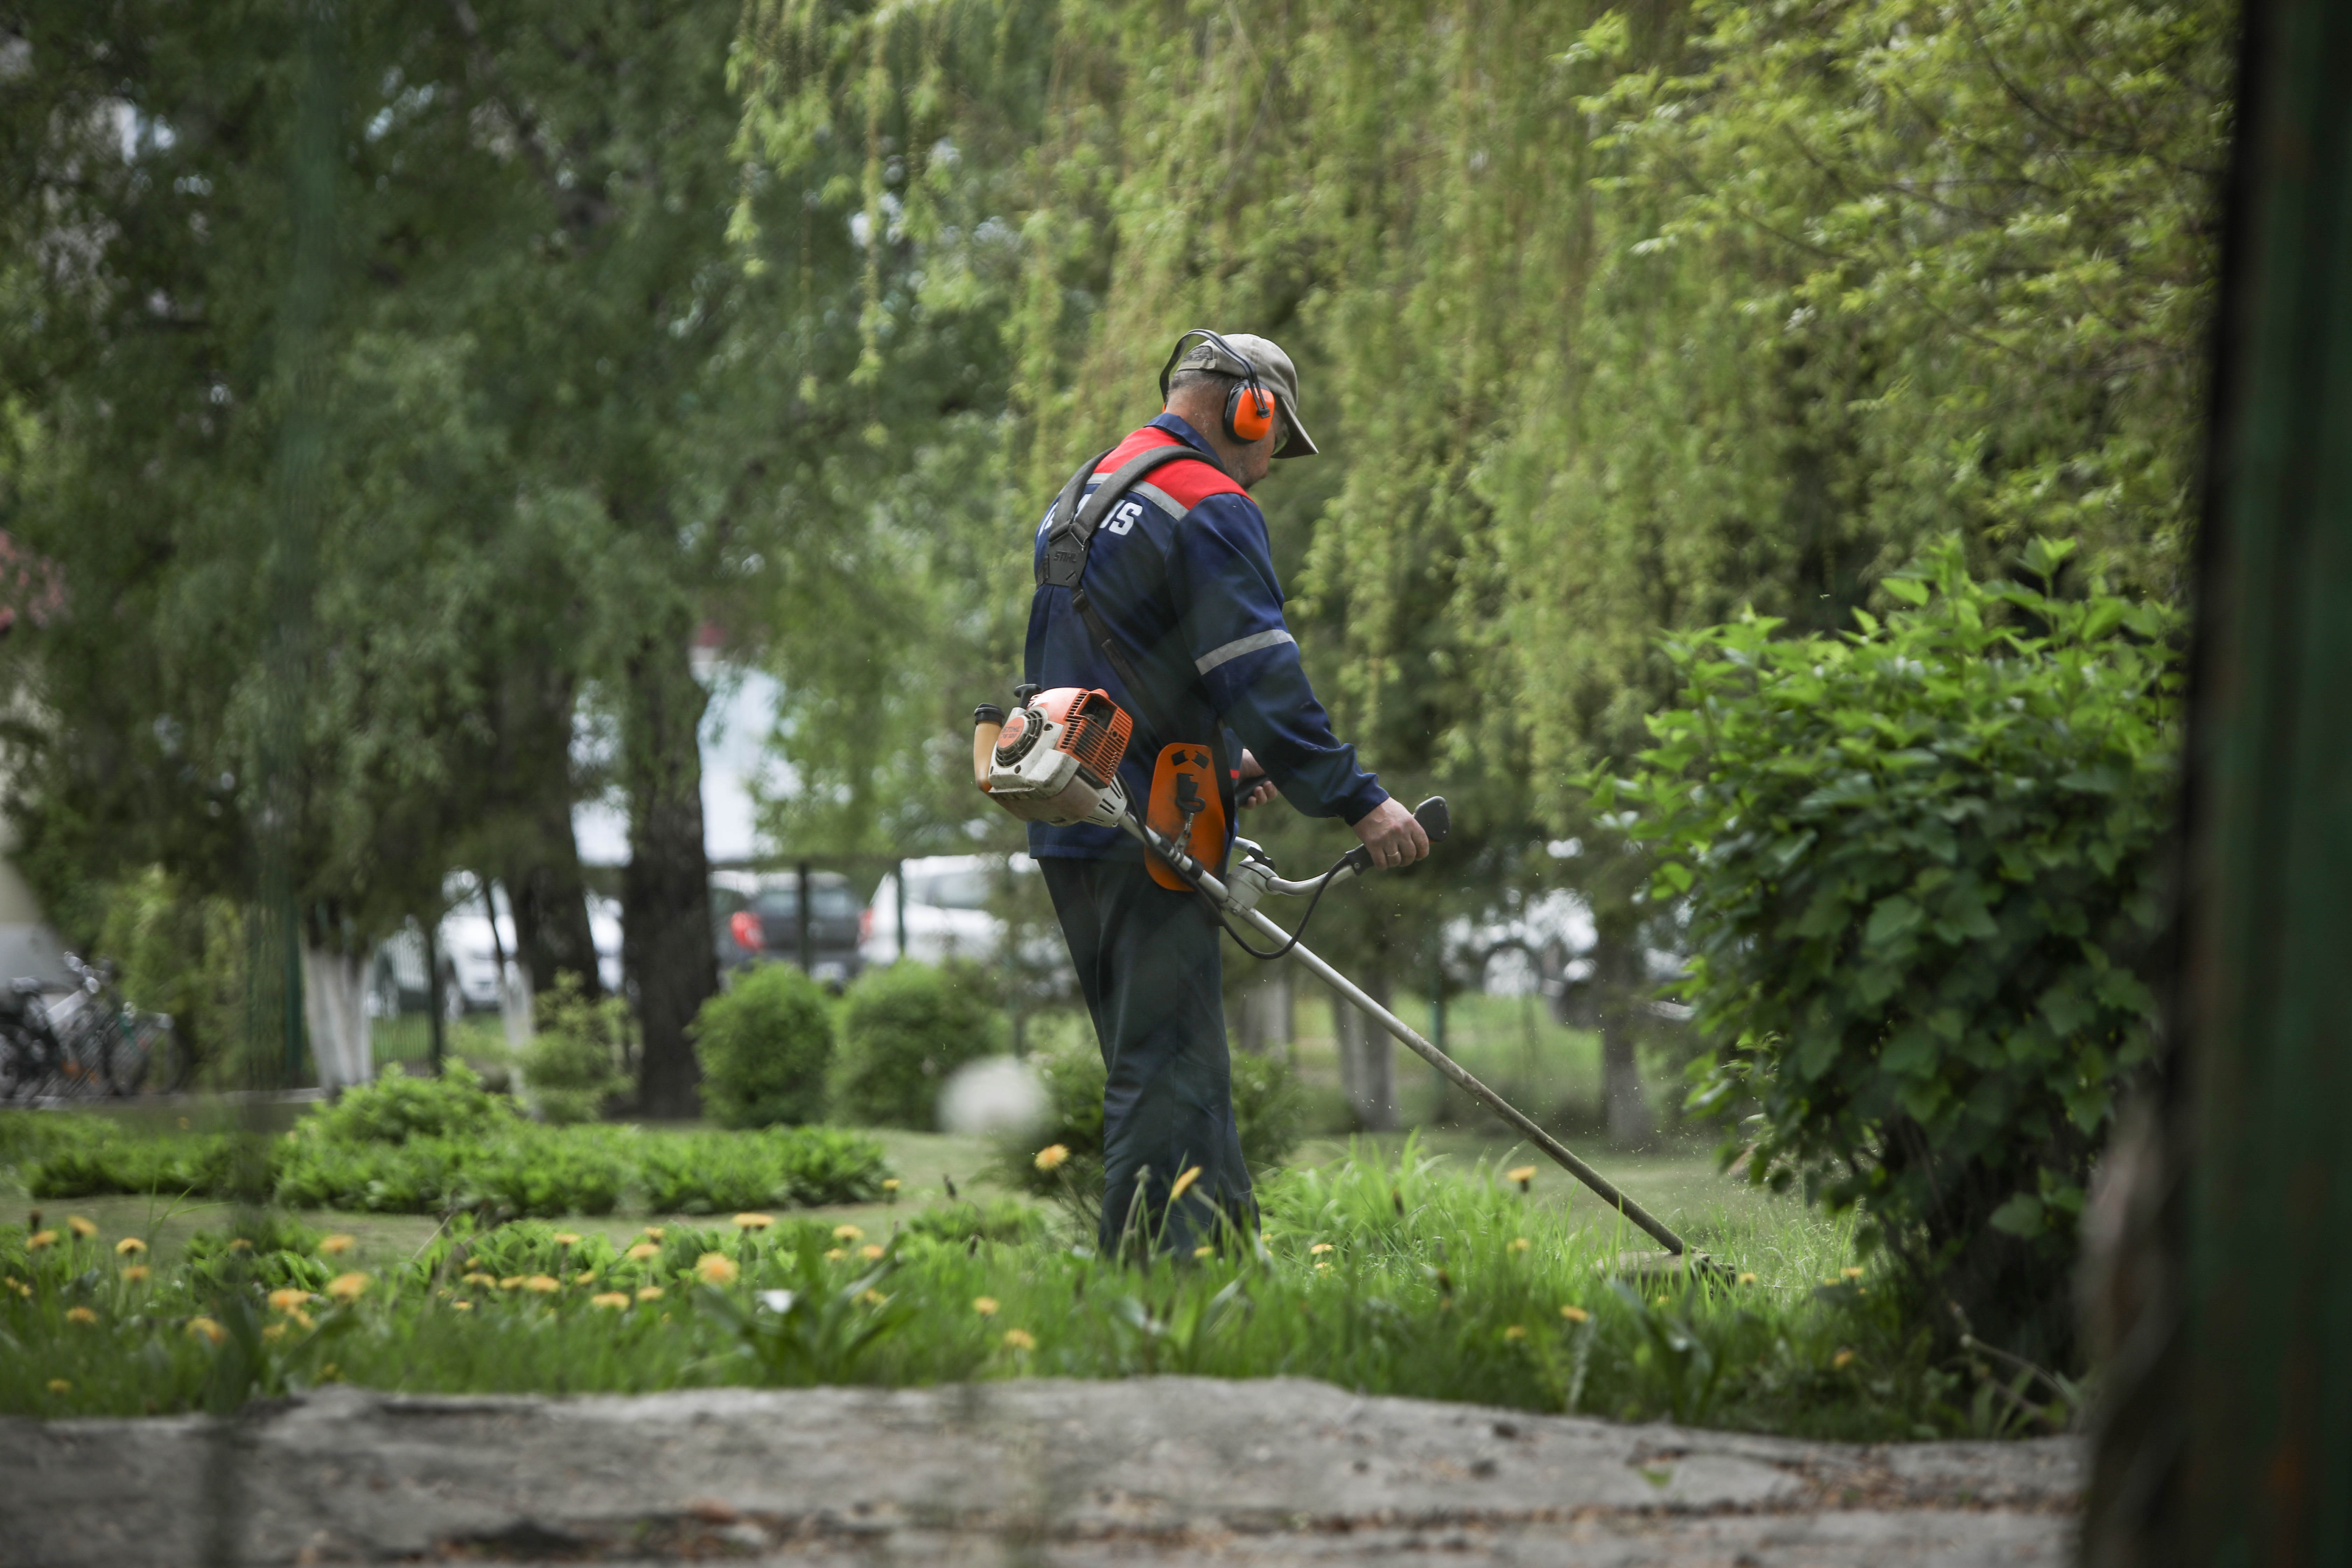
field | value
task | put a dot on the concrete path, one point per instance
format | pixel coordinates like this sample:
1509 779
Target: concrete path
1161 1470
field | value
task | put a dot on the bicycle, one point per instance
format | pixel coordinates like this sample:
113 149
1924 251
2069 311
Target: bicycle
84 1042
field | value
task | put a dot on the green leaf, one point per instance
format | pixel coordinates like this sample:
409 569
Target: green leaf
1893 917
2021 1215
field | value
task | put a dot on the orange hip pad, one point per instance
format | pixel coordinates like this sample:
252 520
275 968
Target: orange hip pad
1184 779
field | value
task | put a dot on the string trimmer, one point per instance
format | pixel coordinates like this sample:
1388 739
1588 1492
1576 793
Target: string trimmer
1054 758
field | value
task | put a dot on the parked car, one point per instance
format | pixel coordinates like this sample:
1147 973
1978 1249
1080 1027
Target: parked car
756 919
397 982
947 911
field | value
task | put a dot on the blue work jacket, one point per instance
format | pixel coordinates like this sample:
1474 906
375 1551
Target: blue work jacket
1182 573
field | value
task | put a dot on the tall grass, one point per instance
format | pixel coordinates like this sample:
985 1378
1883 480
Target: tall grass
1388 1277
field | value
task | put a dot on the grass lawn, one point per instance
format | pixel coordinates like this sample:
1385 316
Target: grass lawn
1391 1265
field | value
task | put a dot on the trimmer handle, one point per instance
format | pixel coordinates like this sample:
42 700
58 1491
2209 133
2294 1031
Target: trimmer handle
1434 819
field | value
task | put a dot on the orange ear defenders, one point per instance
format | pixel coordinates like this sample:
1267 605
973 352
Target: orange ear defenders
1249 407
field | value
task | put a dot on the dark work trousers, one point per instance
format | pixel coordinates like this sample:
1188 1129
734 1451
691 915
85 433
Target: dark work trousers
1147 961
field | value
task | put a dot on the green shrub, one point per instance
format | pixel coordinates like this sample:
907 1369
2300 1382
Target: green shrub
710 1173
574 1062
1921 869
830 1166
1269 1108
904 1029
397 1108
765 1045
203 1166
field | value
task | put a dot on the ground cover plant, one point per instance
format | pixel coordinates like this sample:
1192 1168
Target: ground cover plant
426 1146
1921 866
1399 1275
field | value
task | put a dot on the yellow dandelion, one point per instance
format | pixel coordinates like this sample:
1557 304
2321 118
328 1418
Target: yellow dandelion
612 1301
338 1244
1519 1244
1020 1339
206 1330
872 1298
1183 1183
135 1275
287 1299
1841 1361
477 1278
1053 1157
649 1293
848 1233
891 1188
59 1386
836 1253
544 1284
653 1233
565 1239
241 1244
81 1227
984 1305
129 1246
1516 1331
512 1282
273 1332
1851 1273
755 1221
586 1276
641 1251
81 1315
348 1287
1748 1279
716 1269
461 1305
1575 1314
1524 1175
1205 1251
870 1251
39 1239
1319 1250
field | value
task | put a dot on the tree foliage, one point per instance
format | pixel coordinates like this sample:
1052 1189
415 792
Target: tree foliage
1919 864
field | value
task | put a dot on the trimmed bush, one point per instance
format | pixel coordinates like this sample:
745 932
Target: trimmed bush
1922 865
766 1046
397 1108
904 1030
572 1064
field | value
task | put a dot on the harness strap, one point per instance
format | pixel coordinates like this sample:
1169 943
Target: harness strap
1070 532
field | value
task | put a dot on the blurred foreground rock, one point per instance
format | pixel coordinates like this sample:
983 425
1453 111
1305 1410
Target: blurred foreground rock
1160 1470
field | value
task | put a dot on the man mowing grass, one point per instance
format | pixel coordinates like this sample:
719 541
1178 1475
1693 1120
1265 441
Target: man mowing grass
1178 592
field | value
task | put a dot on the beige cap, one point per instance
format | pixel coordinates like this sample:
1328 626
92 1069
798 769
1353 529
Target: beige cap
1275 371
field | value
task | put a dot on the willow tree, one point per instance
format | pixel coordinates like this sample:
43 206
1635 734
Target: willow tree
1616 318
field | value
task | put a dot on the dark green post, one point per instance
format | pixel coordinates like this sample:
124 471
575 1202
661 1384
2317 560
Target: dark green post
2228 1436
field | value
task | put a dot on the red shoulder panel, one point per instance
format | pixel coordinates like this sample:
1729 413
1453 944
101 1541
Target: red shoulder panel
1187 484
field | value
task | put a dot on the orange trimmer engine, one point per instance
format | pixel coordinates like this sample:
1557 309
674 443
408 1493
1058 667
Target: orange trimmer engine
1055 758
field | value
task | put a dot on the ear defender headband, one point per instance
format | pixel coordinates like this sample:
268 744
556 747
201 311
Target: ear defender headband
1249 407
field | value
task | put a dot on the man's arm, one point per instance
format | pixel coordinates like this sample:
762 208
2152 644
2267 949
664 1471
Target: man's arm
1230 602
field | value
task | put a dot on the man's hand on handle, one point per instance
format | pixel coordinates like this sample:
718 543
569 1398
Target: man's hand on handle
1392 835
1256 789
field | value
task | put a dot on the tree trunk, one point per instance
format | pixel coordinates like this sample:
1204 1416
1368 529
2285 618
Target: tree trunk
1268 1016
1617 974
1366 1058
334 1009
545 891
666 949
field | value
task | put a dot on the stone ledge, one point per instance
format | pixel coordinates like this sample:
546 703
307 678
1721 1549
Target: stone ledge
1279 1471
